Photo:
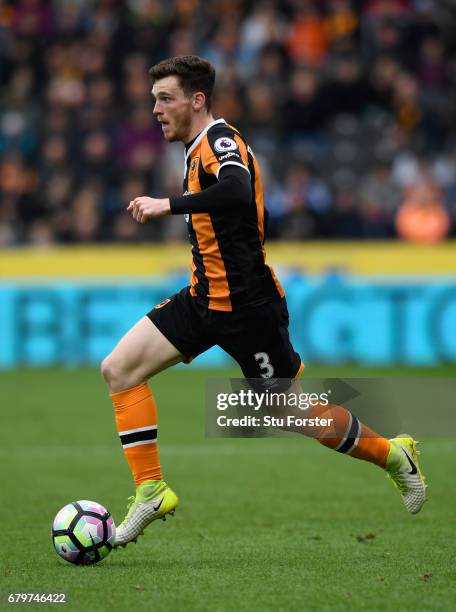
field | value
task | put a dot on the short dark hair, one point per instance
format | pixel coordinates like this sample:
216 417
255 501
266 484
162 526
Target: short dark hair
194 74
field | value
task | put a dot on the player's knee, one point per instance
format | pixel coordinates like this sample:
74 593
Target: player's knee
120 375
111 370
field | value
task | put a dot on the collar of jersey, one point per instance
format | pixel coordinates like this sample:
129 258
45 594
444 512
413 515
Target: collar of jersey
200 136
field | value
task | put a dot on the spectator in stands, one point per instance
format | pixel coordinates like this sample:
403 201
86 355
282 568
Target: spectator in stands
307 39
139 140
422 216
305 111
307 202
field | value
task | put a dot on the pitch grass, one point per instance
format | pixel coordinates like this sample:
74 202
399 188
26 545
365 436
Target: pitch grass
268 524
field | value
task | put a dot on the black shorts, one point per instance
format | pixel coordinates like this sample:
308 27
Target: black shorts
257 338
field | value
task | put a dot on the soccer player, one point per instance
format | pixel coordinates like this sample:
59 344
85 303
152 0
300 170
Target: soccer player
234 299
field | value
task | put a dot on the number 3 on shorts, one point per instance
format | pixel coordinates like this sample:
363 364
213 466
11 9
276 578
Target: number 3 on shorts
265 364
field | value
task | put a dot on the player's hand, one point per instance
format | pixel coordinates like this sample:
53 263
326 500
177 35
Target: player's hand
144 208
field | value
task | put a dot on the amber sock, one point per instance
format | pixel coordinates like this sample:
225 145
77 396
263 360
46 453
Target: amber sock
136 420
347 434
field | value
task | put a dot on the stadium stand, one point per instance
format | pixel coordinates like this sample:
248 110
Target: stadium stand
348 106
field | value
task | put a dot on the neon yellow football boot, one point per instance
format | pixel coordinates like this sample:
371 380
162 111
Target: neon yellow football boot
153 500
403 468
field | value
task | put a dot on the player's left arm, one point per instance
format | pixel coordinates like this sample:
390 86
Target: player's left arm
232 190
144 208
224 156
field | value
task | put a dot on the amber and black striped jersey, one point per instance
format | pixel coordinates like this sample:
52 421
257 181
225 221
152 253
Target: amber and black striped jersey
229 267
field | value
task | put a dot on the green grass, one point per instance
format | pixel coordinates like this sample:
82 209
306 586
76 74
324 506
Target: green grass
266 524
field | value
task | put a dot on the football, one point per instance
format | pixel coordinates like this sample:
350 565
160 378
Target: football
83 532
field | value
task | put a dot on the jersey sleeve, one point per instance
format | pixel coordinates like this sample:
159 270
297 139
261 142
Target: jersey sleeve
232 190
222 147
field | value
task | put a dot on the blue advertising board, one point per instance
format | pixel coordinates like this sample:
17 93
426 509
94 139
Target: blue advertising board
334 319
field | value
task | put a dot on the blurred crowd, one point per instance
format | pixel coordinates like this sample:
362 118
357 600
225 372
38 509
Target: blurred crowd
349 106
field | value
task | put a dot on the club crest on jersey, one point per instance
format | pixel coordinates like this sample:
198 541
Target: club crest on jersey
193 167
225 144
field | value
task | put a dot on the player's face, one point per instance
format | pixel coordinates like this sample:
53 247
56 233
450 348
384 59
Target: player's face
172 108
